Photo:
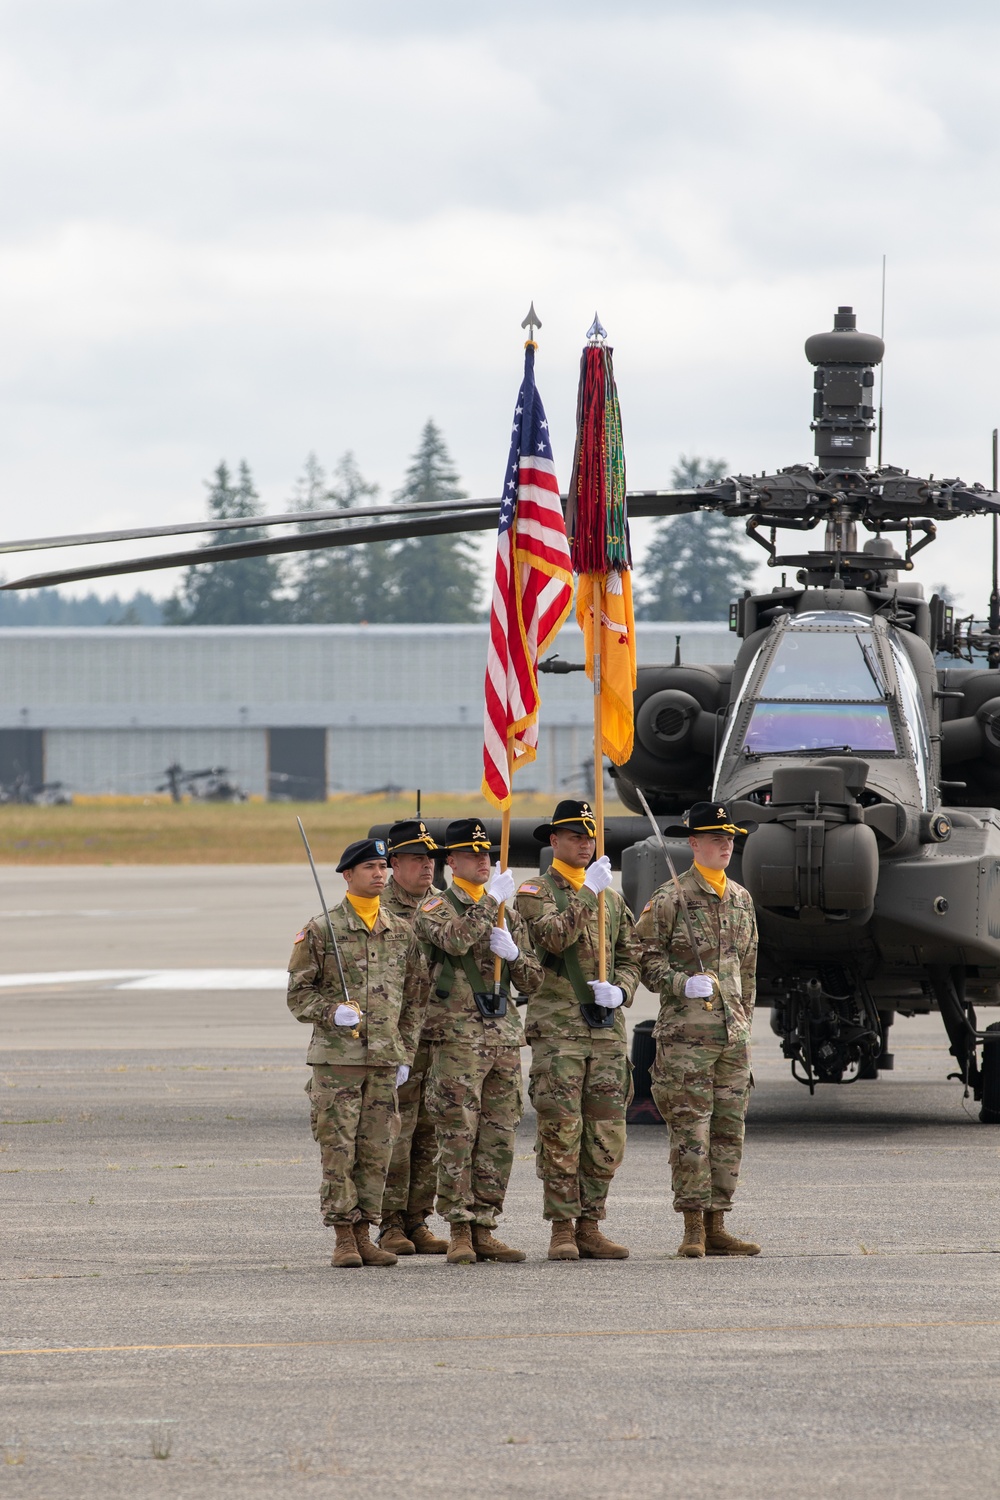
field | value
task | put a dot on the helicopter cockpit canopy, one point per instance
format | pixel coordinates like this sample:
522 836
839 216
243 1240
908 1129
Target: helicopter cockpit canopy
824 687
828 684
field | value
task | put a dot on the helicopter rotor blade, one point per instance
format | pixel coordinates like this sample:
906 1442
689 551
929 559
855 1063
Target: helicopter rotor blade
241 523
424 520
310 541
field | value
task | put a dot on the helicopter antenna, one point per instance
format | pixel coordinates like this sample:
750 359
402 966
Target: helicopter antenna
881 369
993 655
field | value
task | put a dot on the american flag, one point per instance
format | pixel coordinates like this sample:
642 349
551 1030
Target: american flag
532 592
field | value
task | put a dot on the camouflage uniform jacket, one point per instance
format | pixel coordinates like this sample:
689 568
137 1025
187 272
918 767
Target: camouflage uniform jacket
456 1018
386 978
554 1010
399 902
726 930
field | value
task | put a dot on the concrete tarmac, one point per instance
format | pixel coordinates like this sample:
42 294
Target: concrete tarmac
170 1325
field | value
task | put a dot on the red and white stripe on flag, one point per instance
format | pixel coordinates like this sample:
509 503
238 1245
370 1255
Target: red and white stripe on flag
532 595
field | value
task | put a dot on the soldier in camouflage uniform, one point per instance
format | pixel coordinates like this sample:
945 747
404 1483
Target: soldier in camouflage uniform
701 1077
409 1187
474 1091
362 1044
580 1082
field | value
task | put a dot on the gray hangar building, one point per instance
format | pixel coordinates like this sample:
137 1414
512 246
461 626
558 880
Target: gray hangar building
299 710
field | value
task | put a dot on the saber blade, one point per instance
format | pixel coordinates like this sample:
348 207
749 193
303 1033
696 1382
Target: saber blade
676 879
329 925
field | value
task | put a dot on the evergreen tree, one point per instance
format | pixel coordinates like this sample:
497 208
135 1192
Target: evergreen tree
338 585
695 564
242 592
434 578
50 607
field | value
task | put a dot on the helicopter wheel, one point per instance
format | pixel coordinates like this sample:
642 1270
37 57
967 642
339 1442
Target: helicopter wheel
990 1110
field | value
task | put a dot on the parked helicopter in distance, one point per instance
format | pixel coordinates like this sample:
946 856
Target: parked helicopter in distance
876 879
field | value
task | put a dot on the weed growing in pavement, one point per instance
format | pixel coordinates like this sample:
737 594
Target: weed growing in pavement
161 1441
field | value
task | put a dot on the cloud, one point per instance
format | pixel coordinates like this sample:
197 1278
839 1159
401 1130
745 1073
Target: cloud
251 230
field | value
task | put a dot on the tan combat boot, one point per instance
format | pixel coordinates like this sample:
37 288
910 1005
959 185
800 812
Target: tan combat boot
562 1245
693 1243
718 1242
424 1240
371 1255
391 1236
345 1252
461 1251
593 1245
490 1248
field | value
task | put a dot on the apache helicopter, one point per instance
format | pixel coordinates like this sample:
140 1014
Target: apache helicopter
876 880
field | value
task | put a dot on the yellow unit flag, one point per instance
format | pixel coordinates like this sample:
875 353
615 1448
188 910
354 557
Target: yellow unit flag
612 593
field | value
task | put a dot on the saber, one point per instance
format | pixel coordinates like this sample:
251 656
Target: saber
670 866
329 925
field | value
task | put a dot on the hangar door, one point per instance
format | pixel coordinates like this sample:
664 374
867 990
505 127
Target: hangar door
22 757
296 765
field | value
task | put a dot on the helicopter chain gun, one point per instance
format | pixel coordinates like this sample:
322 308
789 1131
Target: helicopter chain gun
859 727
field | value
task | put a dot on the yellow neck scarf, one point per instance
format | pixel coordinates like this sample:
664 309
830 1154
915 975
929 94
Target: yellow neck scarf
715 878
569 872
366 908
475 891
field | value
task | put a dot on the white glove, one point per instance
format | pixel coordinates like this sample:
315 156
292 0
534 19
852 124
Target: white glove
608 995
346 1015
503 945
501 886
402 1074
699 987
598 876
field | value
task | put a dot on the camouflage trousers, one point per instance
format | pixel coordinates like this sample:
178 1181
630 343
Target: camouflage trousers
356 1123
580 1091
409 1187
475 1099
701 1089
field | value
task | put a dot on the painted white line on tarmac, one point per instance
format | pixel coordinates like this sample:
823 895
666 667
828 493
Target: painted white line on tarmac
210 979
155 979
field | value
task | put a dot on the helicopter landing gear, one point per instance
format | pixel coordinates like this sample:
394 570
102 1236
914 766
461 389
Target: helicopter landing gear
990 1110
871 1067
829 1025
948 988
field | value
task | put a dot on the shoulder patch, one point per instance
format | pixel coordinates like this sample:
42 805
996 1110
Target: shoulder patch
432 903
300 935
645 909
528 889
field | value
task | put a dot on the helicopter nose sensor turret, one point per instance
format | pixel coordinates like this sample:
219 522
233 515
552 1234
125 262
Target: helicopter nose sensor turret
844 403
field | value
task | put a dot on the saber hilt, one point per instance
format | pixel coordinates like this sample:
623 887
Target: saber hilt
676 879
329 924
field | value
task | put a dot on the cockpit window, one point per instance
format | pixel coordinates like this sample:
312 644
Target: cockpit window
825 689
777 727
829 665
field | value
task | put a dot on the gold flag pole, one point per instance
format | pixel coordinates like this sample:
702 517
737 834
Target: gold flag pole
598 597
504 852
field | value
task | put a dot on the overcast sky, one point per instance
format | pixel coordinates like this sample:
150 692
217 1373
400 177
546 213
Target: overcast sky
251 228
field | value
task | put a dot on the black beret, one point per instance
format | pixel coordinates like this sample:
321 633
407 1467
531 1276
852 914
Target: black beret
359 851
